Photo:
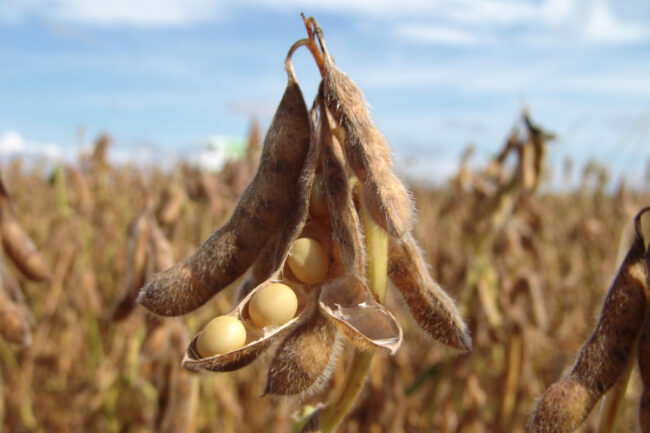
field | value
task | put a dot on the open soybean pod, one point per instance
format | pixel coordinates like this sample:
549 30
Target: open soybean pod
256 340
348 303
367 151
265 205
430 306
18 246
643 227
604 356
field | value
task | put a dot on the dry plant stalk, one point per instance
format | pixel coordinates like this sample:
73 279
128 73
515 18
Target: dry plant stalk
365 213
605 355
17 245
15 316
148 251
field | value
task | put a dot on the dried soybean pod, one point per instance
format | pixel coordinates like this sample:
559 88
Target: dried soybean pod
161 250
265 204
18 246
643 227
644 368
171 204
604 356
13 326
430 306
385 196
343 215
348 303
257 340
274 254
138 256
302 361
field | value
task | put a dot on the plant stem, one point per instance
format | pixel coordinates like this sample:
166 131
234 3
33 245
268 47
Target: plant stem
376 241
311 44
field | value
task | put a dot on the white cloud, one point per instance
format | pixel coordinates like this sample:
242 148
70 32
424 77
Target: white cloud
602 26
439 22
12 143
140 13
437 35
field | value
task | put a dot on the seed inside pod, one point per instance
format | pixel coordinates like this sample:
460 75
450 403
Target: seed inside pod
221 335
318 199
308 261
274 304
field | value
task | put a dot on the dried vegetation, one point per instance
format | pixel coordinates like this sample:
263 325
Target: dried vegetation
528 269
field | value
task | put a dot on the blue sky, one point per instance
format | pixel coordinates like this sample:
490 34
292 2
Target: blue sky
164 75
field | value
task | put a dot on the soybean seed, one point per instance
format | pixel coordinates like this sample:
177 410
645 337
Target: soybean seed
273 305
221 335
308 261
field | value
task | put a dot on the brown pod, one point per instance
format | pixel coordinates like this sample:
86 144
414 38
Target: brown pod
265 204
138 256
644 368
22 251
643 228
385 196
13 326
604 356
563 407
18 246
171 204
161 250
275 251
257 340
343 215
355 312
303 360
430 306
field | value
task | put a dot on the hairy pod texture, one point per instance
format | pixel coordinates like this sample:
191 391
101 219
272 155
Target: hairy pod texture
264 205
644 368
345 221
604 356
430 306
368 154
301 363
643 228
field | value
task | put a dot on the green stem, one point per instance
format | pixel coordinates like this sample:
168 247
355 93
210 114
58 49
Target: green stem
376 241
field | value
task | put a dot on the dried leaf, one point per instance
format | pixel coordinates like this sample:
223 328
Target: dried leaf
430 306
